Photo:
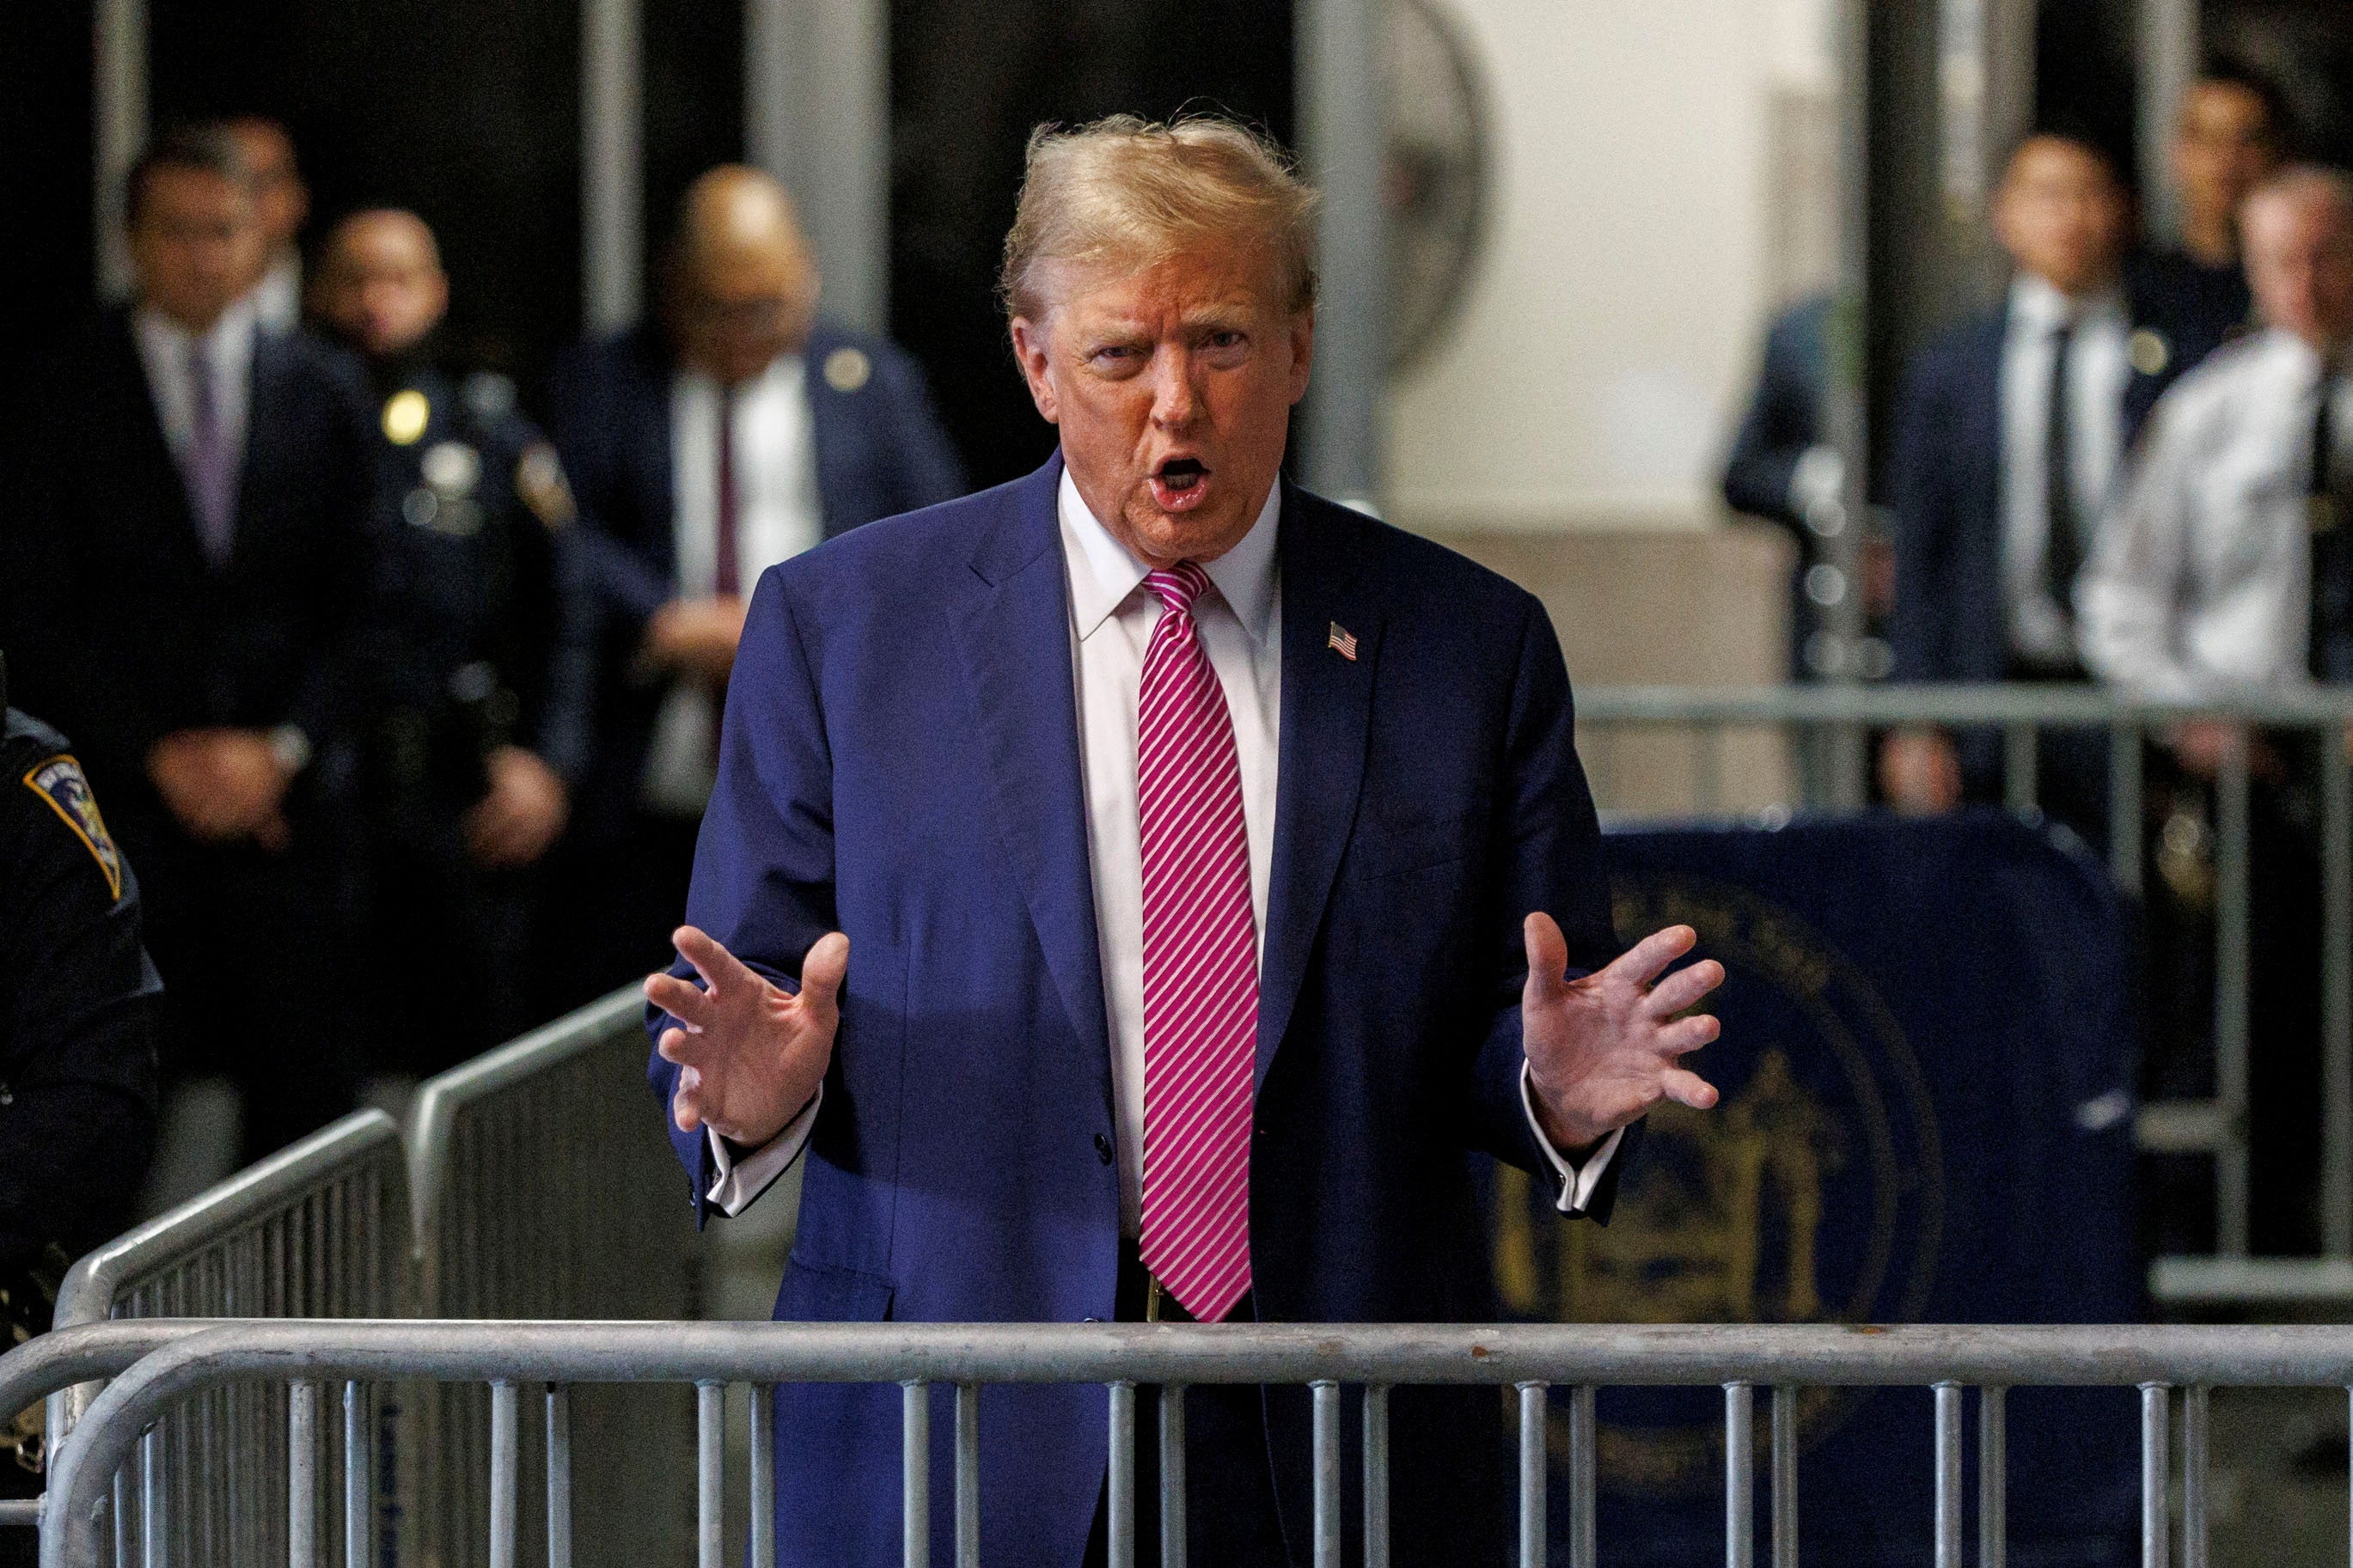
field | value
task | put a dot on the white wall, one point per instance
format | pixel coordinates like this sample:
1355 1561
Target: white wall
1610 334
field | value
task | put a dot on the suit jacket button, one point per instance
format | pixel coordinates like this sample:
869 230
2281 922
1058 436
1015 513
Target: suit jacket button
1102 1149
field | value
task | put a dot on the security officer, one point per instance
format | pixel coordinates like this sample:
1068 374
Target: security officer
485 663
2227 140
78 1013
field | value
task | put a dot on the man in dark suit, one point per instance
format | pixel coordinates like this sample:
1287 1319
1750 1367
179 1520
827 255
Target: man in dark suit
1140 888
2011 432
737 431
201 564
2228 138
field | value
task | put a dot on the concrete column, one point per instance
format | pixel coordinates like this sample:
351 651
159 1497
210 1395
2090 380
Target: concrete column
1341 135
817 114
612 164
2168 56
119 128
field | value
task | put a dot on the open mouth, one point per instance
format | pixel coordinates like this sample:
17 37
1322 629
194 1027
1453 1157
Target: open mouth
1180 483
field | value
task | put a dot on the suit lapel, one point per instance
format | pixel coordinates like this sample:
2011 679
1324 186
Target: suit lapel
156 471
1327 699
1012 632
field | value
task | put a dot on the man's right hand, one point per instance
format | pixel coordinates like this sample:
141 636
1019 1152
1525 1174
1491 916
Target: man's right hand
750 1054
696 636
1920 772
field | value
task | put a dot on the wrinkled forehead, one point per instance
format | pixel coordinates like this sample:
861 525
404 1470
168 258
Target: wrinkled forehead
1191 280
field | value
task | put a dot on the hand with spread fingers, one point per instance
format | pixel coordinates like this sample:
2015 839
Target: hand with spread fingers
1602 1050
750 1054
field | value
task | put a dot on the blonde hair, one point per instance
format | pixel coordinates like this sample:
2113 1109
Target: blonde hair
1132 190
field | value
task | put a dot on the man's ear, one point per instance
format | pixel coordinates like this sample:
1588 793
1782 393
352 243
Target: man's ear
1029 351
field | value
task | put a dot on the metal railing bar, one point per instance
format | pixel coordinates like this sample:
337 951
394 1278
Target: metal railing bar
2020 779
1119 1488
121 1518
505 1472
2231 1014
1960 705
761 1527
1785 1476
1584 1527
967 1475
1948 1475
154 1511
2125 790
2156 1464
357 1513
559 1475
1172 1522
1535 1537
1326 1455
19 1510
2194 1468
1739 1475
710 1456
1993 1475
302 1474
2336 993
1377 1477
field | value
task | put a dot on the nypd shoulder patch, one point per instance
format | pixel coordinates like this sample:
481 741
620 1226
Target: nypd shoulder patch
60 782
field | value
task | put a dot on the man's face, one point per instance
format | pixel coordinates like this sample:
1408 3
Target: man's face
2300 264
2061 215
280 201
1172 388
380 288
2224 146
742 307
195 245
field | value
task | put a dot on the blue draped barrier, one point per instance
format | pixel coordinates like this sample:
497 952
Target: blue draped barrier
1928 1063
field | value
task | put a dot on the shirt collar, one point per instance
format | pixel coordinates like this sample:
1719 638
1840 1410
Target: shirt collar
230 338
1103 572
2036 303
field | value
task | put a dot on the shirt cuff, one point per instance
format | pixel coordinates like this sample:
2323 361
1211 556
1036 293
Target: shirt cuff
742 1176
1577 1181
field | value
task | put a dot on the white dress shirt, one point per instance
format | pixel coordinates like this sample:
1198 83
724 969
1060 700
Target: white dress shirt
778 515
2202 581
1111 618
2099 368
166 347
278 298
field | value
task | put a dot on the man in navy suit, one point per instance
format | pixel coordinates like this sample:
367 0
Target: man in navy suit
2012 432
200 566
738 432
1139 890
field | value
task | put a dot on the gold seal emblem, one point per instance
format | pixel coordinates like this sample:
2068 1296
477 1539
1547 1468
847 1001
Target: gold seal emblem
406 414
2150 352
846 370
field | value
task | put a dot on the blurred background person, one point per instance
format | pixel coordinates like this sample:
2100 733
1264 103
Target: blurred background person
281 205
482 681
2227 567
77 1004
202 564
738 430
2011 428
2227 140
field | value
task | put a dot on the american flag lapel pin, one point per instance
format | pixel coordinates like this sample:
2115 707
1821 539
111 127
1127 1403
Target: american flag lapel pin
1343 639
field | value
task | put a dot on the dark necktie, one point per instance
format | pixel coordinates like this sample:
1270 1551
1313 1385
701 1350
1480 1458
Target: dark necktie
726 577
2331 649
2063 552
210 479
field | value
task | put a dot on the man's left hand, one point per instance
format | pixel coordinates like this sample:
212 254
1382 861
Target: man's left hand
1602 1050
524 811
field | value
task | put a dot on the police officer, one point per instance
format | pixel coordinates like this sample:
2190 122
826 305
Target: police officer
484 665
2227 140
78 1013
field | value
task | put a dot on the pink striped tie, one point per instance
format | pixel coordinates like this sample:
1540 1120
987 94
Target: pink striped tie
1200 967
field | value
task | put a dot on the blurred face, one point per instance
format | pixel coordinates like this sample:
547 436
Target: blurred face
741 307
380 287
281 202
194 245
1172 389
2224 146
2300 263
2061 215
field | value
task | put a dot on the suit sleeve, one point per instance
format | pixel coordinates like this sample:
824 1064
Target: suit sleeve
1921 485
585 424
925 463
1773 434
764 866
1547 853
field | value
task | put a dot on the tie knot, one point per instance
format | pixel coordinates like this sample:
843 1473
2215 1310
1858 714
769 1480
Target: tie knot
1179 585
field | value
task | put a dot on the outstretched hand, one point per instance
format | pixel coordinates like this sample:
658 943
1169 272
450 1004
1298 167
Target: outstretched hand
750 1054
1604 1050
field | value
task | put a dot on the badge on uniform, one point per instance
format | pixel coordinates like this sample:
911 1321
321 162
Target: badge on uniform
60 782
848 369
405 415
2149 352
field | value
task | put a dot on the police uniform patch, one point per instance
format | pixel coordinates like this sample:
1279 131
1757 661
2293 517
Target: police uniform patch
848 369
2150 352
539 479
60 782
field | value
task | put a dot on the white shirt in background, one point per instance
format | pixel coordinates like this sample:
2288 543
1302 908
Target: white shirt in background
164 347
278 298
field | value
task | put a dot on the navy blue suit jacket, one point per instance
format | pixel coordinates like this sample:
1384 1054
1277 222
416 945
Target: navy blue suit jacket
881 450
900 762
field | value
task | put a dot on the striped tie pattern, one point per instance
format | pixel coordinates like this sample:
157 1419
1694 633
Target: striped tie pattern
1200 967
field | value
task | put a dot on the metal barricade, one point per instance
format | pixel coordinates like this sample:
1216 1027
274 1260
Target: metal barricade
321 1362
544 1188
317 1230
2020 713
